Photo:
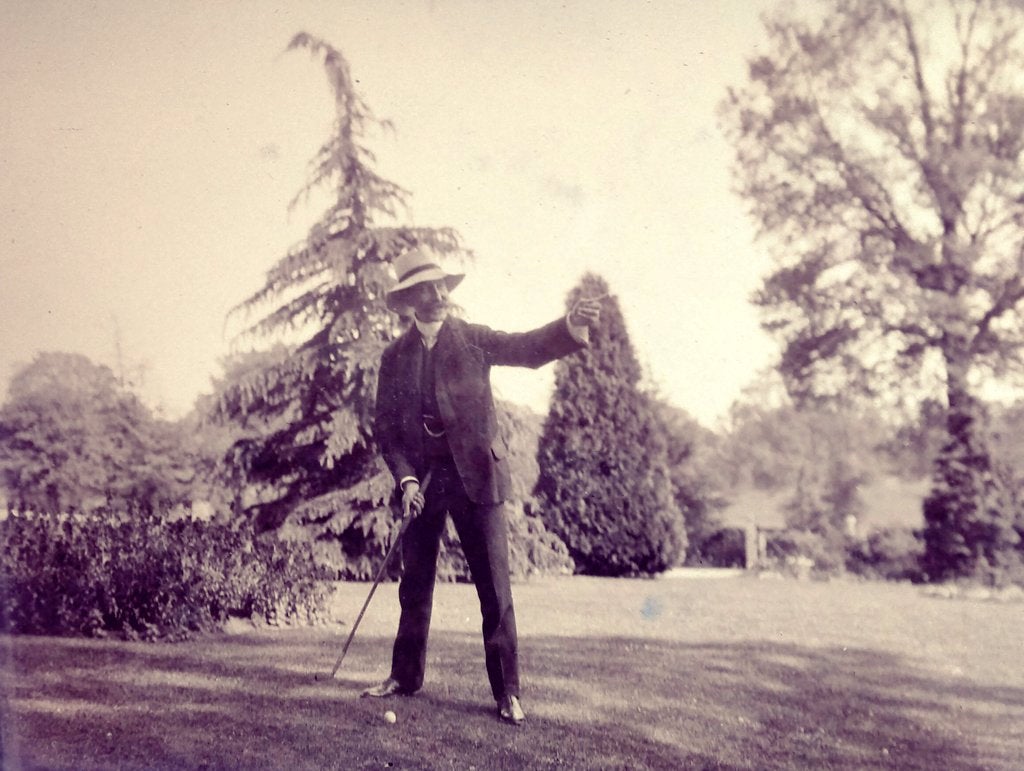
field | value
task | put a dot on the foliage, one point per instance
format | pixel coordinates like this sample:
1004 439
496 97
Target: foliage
690 448
604 484
911 450
723 548
533 549
970 515
801 552
310 449
891 554
142 576
821 455
222 477
1006 436
1006 440
880 148
72 439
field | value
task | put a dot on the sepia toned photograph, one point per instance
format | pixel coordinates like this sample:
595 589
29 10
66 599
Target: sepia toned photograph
445 384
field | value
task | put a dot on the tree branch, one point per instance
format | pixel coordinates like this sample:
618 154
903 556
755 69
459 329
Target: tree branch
919 82
947 201
1009 297
958 100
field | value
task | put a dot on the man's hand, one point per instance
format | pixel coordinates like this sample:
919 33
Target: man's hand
586 312
412 498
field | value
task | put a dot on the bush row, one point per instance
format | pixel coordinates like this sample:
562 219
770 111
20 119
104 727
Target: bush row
143 577
891 554
894 554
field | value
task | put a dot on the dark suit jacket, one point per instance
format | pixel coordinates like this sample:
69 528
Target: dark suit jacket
463 356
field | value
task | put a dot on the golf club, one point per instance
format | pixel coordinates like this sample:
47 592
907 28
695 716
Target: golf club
376 581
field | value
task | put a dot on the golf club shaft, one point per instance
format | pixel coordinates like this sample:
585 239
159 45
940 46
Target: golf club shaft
376 581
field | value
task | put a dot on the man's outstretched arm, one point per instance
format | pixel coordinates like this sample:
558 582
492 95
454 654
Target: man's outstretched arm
540 346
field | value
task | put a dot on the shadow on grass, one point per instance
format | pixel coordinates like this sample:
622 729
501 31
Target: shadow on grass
252 702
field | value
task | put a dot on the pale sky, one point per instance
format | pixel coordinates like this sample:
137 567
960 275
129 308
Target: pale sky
150 150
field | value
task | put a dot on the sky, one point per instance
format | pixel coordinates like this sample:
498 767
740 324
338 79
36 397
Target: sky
150 151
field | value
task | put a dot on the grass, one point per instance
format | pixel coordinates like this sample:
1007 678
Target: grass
682 673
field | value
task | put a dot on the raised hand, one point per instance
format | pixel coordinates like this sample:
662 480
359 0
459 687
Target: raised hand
586 312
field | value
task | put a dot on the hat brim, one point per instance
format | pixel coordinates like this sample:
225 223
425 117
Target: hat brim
395 299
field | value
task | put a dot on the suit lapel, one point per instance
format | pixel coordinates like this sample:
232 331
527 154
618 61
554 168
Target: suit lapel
411 363
443 346
446 359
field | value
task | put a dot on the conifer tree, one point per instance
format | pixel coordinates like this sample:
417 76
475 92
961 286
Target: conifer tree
604 485
313 448
969 514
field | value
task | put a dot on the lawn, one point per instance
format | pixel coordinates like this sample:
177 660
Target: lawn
672 673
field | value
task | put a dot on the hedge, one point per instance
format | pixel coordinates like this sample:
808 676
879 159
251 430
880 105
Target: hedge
143 577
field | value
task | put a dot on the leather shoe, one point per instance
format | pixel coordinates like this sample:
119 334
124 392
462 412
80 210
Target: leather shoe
389 687
510 710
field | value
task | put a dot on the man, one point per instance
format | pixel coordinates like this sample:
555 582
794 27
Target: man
436 416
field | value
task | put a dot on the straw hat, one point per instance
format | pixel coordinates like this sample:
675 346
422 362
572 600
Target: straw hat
414 267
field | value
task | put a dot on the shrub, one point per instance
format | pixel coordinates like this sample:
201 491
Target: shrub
604 486
724 548
800 552
144 577
971 515
893 554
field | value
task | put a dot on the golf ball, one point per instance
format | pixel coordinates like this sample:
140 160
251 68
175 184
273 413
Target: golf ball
390 717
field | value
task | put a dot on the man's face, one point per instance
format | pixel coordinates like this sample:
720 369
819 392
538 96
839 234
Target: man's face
429 300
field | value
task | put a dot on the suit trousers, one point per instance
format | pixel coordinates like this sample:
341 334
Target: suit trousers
483 533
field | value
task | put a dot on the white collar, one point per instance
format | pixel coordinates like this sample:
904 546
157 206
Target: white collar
428 329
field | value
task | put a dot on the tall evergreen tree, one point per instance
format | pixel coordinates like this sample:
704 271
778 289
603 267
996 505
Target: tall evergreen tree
316 451
970 514
604 485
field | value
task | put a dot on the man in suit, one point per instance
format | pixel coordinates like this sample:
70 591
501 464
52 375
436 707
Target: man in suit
435 415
